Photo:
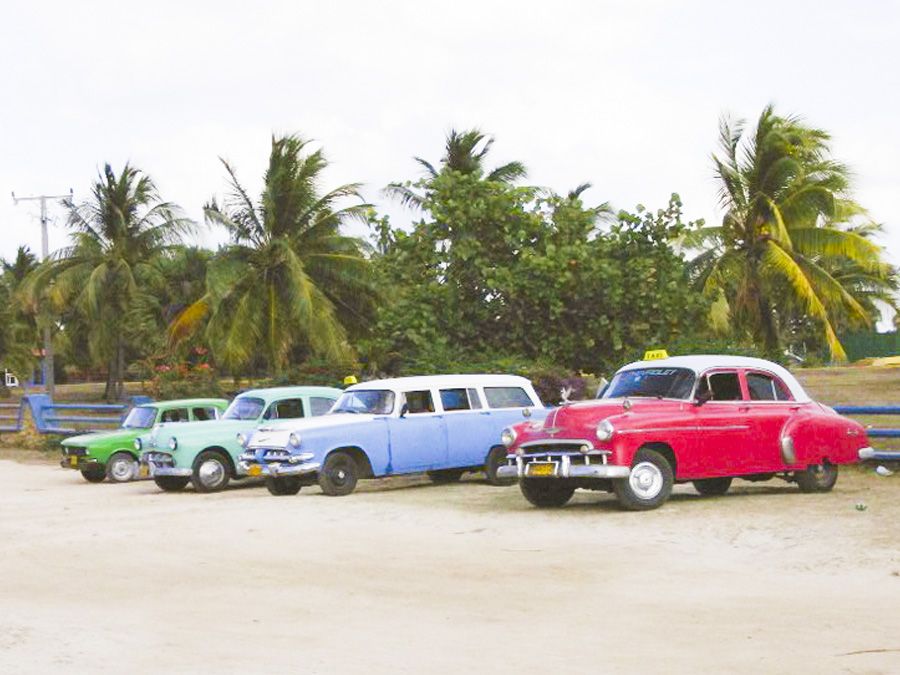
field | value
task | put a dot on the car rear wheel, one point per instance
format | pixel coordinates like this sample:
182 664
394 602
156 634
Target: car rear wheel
495 459
121 468
817 478
282 486
338 475
445 475
94 473
211 471
650 482
546 492
712 487
171 483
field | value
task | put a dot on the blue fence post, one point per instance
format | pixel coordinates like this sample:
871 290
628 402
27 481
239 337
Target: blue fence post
38 403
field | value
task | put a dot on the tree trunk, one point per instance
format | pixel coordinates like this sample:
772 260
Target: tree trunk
109 390
120 368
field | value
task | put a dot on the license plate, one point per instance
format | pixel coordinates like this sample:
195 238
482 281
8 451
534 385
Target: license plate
73 461
545 469
254 470
144 471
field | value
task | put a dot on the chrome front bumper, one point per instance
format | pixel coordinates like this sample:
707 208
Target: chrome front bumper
563 467
278 468
163 467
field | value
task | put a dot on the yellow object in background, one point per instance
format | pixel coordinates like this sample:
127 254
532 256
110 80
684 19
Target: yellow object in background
887 361
654 354
350 379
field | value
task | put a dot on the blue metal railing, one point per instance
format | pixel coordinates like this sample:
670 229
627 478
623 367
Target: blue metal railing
57 418
851 410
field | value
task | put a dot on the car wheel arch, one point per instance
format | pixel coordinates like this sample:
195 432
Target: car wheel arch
363 463
222 451
664 449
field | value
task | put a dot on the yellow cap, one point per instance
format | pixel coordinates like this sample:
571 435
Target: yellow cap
350 379
653 354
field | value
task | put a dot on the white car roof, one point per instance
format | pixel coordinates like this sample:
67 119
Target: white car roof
428 381
702 363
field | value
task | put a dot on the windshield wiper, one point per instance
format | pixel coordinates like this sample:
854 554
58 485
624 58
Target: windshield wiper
345 410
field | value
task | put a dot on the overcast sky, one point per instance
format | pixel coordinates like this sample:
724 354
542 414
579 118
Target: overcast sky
626 95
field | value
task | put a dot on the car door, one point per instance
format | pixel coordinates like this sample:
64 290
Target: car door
471 427
720 447
769 408
418 438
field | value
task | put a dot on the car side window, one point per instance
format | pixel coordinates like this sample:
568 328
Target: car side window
766 388
455 399
289 408
419 402
204 414
507 397
174 415
474 400
725 386
320 405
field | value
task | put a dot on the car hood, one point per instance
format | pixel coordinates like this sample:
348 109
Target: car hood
276 435
580 419
204 429
86 440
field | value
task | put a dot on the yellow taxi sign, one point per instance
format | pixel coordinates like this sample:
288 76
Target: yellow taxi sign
654 354
350 379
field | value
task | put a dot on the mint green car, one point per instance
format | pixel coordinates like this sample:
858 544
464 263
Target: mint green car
111 454
206 453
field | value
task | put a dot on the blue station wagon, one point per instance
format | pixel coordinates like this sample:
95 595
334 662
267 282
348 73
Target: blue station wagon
444 425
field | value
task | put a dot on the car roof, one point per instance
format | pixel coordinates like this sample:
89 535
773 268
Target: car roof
275 392
702 362
428 381
182 402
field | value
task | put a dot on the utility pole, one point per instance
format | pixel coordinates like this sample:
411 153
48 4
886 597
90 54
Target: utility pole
47 361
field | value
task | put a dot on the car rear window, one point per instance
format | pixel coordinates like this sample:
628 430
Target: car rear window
455 399
204 414
319 405
507 397
766 388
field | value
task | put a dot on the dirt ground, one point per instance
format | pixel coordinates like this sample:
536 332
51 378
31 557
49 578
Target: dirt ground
409 577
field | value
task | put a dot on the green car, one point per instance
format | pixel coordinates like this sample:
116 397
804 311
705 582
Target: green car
111 454
206 453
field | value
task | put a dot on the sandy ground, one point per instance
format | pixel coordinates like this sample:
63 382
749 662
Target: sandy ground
408 577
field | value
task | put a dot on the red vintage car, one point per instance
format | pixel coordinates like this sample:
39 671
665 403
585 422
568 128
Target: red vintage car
703 419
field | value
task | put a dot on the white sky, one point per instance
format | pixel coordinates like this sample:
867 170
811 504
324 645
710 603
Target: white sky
626 95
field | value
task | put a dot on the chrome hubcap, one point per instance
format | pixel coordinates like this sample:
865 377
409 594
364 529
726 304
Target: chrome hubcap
646 480
211 472
122 469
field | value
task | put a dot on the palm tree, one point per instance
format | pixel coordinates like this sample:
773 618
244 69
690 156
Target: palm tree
118 233
788 218
464 152
18 328
290 278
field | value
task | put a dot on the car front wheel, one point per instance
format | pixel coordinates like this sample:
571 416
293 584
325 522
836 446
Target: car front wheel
282 486
546 492
817 478
121 468
94 473
649 484
171 483
338 475
211 472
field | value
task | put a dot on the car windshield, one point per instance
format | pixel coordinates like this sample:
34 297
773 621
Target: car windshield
651 382
368 401
140 418
244 408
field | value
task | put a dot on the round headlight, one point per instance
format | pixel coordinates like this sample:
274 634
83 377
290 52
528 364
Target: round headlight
242 439
605 430
294 440
138 444
508 436
173 444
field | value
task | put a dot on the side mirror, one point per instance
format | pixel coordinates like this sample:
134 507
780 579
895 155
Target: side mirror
403 410
704 397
